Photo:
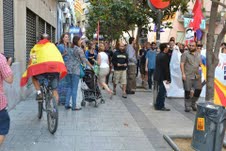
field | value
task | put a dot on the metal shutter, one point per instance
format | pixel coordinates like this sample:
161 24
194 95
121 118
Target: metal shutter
8 27
30 32
48 29
41 27
53 35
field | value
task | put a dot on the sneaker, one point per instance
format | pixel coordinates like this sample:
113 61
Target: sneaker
39 96
124 96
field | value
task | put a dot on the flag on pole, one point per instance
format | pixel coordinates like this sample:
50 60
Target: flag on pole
198 16
98 30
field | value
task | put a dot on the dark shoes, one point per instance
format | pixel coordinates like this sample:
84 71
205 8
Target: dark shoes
67 107
163 109
39 96
130 92
124 96
194 108
114 92
187 110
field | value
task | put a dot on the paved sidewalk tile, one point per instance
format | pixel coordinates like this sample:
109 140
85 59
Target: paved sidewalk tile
172 123
110 127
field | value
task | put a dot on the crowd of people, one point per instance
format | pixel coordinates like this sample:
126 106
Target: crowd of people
122 60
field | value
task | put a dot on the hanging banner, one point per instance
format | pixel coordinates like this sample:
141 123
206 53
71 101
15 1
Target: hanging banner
189 34
188 20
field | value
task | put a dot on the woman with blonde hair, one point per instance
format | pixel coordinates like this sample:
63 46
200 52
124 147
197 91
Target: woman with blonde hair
103 62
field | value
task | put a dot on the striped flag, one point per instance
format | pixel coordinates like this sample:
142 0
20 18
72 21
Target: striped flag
219 89
78 7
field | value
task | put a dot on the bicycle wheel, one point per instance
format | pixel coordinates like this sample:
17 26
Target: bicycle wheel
40 109
52 115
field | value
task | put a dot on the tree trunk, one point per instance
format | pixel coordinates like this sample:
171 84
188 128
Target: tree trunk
211 63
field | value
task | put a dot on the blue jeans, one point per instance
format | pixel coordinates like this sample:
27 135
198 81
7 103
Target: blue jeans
160 100
150 76
72 87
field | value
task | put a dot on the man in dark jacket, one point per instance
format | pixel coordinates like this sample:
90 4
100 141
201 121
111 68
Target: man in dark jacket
162 73
120 63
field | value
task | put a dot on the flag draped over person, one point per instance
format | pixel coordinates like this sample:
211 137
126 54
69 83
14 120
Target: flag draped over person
44 58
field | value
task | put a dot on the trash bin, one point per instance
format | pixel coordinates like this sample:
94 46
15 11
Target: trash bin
209 129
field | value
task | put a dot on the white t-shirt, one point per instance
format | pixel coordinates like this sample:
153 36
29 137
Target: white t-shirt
104 60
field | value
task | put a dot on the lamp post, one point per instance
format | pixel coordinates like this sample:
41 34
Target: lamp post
157 6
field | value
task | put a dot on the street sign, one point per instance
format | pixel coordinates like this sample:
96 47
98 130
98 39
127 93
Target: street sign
160 4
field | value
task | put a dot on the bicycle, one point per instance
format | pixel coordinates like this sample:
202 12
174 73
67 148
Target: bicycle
48 104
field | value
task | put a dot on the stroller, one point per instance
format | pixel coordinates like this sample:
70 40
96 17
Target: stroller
90 89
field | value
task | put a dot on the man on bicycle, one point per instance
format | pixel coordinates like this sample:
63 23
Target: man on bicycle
45 60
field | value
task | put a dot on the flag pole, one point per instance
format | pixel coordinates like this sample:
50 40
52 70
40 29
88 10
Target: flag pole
98 31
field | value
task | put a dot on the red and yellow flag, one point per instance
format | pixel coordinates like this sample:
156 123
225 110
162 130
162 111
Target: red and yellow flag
219 90
44 58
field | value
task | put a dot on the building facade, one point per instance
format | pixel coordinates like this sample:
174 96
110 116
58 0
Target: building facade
178 30
21 24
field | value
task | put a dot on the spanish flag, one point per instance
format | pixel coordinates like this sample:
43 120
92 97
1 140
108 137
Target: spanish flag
44 58
219 90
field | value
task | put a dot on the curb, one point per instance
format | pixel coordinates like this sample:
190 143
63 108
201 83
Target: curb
171 143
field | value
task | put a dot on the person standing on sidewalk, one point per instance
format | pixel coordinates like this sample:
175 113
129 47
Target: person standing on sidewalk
131 72
5 75
103 62
190 62
150 62
63 47
120 63
109 52
162 73
76 58
142 60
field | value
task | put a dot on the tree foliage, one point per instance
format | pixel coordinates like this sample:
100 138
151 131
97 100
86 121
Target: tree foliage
118 16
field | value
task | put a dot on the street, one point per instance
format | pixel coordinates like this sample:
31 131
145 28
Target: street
118 125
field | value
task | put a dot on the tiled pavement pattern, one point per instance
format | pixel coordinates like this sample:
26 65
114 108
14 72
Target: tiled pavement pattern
118 125
110 127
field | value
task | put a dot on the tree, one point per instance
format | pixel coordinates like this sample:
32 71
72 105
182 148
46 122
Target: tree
119 16
212 52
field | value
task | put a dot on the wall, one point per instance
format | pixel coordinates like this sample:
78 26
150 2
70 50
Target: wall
177 26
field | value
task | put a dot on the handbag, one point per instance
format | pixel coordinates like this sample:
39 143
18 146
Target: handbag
96 68
82 72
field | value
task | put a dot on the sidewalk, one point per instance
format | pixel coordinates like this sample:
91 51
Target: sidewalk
118 125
